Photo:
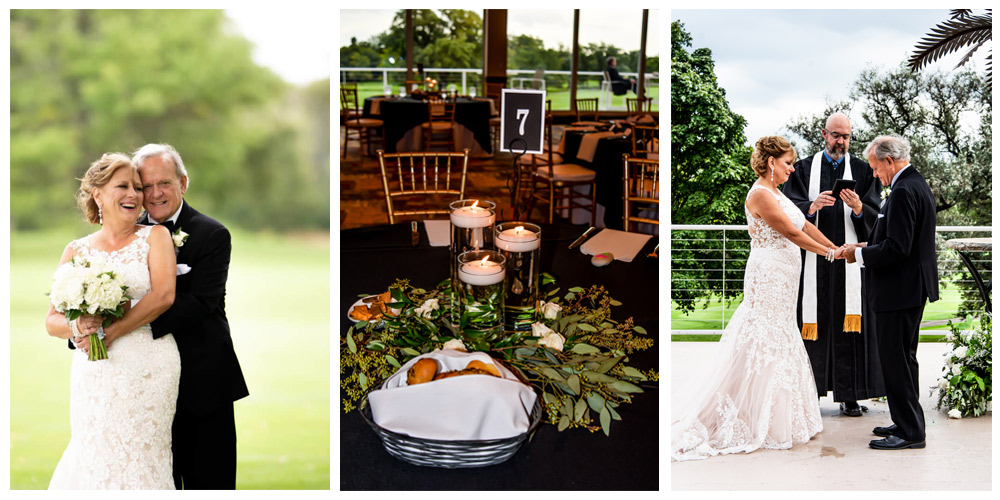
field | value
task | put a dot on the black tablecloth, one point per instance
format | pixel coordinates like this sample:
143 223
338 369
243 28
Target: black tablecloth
608 165
399 115
575 459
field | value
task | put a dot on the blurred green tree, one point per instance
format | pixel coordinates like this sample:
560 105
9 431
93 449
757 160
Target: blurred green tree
84 82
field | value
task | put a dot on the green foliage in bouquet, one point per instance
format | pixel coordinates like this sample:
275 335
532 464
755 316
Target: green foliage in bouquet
576 355
965 387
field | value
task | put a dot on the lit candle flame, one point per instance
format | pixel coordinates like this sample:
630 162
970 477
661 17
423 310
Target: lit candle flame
518 230
483 262
474 205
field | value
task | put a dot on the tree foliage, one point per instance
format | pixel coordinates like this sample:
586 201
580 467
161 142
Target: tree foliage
710 172
84 82
946 117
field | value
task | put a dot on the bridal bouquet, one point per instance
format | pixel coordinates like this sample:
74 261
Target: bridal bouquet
89 286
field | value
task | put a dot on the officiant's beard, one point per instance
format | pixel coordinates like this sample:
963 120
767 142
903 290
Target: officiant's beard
836 151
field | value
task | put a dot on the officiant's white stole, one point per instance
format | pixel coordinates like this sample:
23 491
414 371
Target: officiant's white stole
852 288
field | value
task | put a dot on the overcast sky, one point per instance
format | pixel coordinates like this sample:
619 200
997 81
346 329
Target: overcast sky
618 27
294 43
779 64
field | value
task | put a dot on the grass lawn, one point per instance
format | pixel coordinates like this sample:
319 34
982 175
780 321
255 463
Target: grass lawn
560 97
715 316
278 303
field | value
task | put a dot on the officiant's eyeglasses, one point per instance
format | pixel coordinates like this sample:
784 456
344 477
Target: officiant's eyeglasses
837 136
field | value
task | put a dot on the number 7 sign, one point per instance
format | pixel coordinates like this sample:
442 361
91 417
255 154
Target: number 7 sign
522 121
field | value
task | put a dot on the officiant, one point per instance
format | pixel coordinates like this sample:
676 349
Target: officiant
833 316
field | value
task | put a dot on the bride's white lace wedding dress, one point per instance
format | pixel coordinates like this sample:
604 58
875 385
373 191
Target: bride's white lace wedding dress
122 408
759 392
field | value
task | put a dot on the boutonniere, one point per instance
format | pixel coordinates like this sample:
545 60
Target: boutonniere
179 237
886 192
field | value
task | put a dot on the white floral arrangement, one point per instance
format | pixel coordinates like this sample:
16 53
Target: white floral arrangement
89 286
965 387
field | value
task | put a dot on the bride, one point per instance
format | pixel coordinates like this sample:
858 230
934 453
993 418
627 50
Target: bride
761 392
121 408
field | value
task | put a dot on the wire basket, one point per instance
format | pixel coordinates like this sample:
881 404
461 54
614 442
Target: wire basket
452 454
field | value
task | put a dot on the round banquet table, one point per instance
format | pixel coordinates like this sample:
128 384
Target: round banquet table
575 459
607 164
402 114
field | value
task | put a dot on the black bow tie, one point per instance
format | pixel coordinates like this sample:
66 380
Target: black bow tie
169 225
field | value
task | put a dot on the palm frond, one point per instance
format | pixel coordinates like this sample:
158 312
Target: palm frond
950 36
968 55
960 12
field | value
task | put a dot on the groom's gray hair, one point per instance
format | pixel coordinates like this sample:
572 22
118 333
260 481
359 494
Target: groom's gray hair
164 151
889 146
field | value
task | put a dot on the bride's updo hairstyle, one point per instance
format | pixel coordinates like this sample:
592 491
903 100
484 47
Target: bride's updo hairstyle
767 147
99 174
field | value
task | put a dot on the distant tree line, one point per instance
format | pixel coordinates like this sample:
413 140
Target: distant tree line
454 39
85 82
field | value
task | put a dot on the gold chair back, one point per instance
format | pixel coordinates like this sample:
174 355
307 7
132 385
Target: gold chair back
642 189
636 106
586 109
422 184
645 140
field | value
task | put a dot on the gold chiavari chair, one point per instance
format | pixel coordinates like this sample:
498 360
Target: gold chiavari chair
642 189
552 182
440 130
636 106
422 184
353 121
645 141
586 112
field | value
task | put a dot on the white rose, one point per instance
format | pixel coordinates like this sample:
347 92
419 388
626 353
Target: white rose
553 340
550 310
956 370
455 344
943 384
949 337
425 309
961 351
179 238
540 330
954 413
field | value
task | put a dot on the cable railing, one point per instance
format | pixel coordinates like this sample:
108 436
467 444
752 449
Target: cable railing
713 257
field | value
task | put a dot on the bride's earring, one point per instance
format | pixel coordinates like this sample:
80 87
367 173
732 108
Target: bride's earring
772 174
100 216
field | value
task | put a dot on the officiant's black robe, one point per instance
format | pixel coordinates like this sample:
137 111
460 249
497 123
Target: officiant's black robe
845 363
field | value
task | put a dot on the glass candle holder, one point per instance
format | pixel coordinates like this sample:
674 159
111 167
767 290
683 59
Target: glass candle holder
471 229
520 244
480 294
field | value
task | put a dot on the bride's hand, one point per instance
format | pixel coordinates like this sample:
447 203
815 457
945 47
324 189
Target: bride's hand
88 324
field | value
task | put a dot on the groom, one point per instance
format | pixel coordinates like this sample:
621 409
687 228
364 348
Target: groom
204 430
901 275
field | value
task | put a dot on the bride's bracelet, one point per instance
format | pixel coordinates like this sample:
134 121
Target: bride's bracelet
74 328
830 253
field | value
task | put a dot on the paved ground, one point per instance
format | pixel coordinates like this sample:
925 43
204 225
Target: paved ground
958 454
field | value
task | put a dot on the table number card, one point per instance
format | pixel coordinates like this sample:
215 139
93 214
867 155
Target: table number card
522 116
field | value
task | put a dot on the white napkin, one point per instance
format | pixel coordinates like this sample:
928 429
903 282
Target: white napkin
183 269
438 232
623 245
467 407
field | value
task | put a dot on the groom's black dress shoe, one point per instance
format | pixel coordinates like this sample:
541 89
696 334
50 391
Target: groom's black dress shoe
851 409
895 443
884 431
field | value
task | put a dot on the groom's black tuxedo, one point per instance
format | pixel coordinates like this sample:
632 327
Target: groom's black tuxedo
901 274
204 433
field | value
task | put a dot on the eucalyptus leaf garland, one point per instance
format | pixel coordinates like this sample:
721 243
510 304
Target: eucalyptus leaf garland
581 385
